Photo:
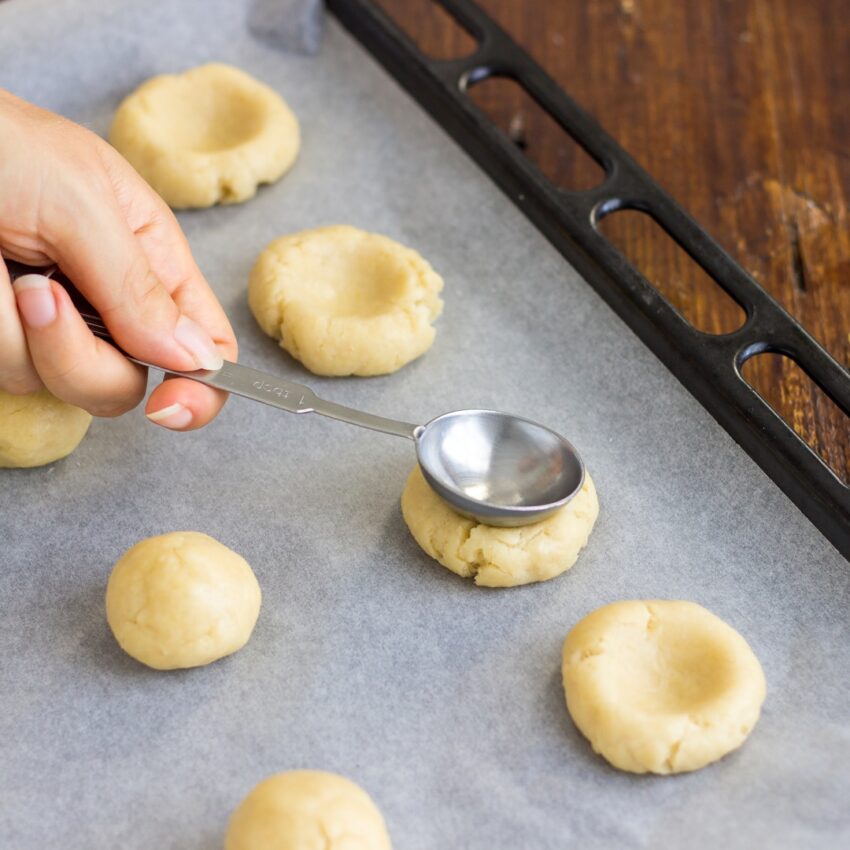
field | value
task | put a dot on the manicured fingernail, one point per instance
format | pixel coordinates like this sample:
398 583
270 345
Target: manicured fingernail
174 416
36 303
198 343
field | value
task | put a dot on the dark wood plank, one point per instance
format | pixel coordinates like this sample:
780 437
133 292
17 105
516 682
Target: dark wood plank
741 109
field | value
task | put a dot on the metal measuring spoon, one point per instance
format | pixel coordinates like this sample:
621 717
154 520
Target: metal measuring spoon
493 467
496 468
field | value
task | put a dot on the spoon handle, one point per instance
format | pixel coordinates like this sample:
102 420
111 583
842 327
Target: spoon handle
233 377
288 395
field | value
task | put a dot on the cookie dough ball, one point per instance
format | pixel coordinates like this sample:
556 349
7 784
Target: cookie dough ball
181 600
209 135
344 301
38 428
307 809
661 686
498 557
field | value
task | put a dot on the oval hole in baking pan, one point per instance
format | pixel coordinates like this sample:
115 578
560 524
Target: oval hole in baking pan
805 407
432 28
535 132
686 285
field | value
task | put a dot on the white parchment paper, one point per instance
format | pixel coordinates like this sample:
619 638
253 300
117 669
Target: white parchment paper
443 700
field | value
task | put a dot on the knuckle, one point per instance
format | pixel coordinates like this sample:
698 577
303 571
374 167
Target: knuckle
137 289
67 374
140 283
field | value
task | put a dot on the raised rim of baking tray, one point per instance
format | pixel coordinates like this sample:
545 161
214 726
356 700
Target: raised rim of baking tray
708 365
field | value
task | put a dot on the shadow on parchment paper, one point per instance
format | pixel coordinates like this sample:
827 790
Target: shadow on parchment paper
421 567
592 765
396 537
96 645
214 840
578 746
97 649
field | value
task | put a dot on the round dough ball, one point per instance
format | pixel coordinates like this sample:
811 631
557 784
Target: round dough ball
661 686
38 428
498 557
344 301
181 600
307 809
209 135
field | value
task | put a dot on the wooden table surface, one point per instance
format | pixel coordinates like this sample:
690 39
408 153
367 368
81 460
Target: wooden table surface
741 110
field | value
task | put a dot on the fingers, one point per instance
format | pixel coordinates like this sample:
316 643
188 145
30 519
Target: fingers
98 250
71 362
183 405
180 404
90 373
167 250
171 258
17 374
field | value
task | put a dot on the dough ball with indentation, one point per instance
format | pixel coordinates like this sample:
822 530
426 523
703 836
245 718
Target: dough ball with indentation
181 600
210 135
306 810
498 557
344 301
38 428
661 686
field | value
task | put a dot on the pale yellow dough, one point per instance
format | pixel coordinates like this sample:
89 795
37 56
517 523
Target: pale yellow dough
38 428
344 301
307 810
661 686
498 557
209 135
181 600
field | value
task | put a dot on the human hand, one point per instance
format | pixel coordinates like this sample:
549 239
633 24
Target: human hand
67 197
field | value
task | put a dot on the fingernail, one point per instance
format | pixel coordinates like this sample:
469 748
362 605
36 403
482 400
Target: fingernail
36 303
173 416
198 343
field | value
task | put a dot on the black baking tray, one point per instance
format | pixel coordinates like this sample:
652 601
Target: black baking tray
708 365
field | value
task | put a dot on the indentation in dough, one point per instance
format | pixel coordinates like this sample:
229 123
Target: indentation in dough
498 557
206 112
209 135
344 301
661 686
361 283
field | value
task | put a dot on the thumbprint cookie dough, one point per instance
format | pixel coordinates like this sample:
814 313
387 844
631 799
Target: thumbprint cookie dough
498 557
210 135
38 428
661 686
181 600
344 301
307 809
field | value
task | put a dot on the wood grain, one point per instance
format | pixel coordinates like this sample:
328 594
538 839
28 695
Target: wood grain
739 108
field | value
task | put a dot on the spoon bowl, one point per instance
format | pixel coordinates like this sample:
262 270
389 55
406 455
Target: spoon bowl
496 468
